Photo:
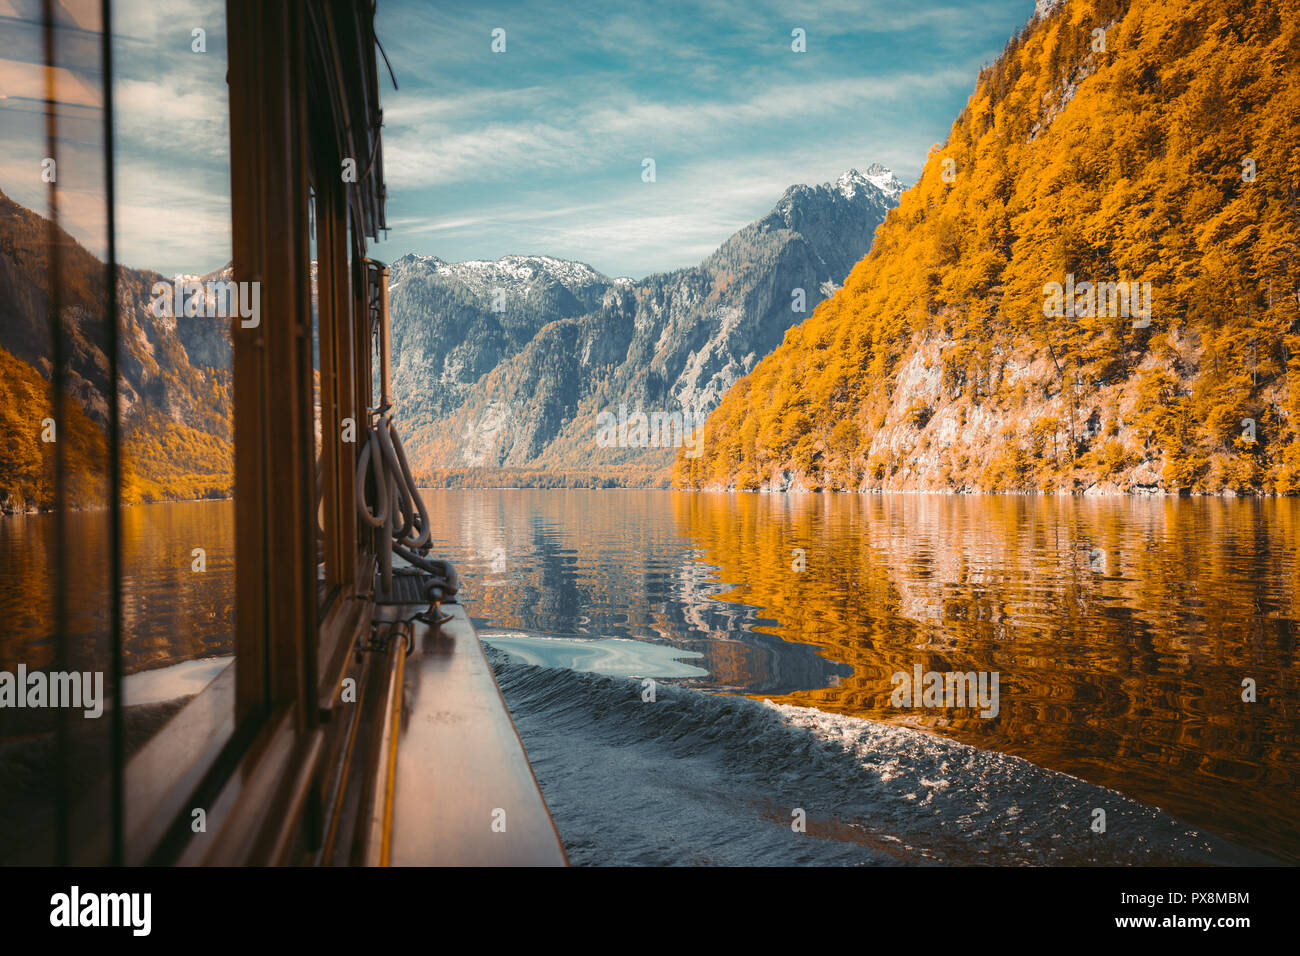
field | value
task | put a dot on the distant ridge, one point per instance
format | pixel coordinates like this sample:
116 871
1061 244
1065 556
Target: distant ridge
523 387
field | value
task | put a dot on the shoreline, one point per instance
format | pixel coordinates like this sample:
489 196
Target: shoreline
1089 493
26 512
1227 494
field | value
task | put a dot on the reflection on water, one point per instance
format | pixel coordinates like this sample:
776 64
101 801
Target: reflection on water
170 612
172 615
1121 629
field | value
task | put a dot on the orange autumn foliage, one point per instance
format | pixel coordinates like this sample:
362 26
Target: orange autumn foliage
1122 163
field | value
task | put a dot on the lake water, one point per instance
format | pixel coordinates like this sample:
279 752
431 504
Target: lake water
1120 630
171 612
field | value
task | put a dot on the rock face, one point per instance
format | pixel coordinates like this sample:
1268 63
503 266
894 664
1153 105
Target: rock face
174 383
452 323
163 359
511 363
951 360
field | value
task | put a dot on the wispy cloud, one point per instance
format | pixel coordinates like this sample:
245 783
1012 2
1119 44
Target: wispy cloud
540 149
624 129
172 158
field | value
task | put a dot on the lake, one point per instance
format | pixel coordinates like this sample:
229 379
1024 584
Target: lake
638 636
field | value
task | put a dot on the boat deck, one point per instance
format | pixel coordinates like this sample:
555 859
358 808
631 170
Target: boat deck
460 790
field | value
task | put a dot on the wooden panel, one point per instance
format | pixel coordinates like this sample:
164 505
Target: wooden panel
247 184
459 760
277 683
345 348
275 545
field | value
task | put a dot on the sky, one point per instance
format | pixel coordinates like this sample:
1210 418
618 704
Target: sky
172 165
539 149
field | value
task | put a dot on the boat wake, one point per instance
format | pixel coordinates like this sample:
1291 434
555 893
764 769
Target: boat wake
617 656
699 778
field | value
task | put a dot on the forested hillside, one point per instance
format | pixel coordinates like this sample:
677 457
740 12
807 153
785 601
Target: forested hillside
1145 142
174 385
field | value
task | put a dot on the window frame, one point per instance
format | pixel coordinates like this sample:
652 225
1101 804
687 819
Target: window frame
258 736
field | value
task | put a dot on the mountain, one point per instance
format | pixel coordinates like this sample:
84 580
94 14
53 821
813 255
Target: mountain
524 385
174 386
1092 288
482 365
446 335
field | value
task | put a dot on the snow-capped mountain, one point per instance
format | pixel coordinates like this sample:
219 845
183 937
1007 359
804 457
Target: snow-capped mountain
452 323
876 175
514 272
509 362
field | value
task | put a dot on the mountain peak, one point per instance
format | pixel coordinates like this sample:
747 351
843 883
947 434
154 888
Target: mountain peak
482 277
877 184
877 176
414 258
525 268
523 387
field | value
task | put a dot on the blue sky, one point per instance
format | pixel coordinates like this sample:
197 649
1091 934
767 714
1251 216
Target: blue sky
537 150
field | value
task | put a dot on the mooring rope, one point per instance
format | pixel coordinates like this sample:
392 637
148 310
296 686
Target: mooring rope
399 509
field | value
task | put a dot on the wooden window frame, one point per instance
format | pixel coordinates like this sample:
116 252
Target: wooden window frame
255 741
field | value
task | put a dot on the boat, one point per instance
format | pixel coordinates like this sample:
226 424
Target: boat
358 722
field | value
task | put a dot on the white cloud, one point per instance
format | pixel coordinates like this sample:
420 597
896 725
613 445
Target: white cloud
646 227
163 116
169 220
623 129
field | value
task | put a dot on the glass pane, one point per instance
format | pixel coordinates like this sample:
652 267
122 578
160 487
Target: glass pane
174 309
174 242
318 489
55 664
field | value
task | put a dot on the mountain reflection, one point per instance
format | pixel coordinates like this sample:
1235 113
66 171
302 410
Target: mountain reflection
1121 629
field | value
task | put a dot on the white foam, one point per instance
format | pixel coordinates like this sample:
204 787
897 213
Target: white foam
694 777
615 657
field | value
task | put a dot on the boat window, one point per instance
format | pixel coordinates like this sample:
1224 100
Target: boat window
337 428
119 582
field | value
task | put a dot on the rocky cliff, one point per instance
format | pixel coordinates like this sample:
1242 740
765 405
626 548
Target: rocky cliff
174 385
513 363
1093 288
